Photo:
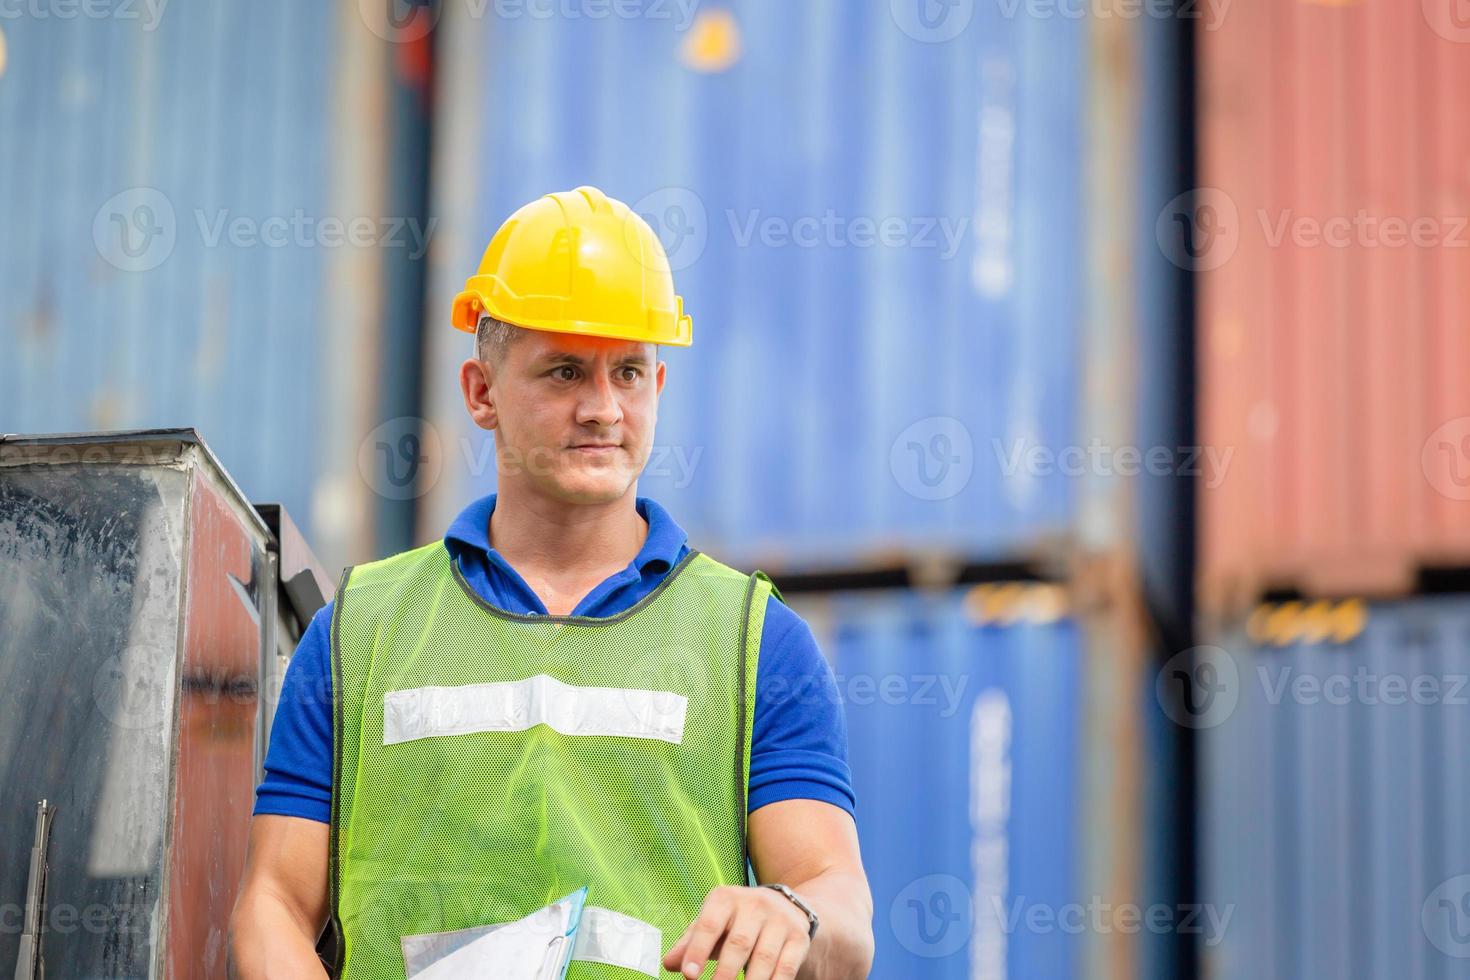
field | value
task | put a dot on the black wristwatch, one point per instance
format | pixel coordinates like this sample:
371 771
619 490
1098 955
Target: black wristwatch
810 915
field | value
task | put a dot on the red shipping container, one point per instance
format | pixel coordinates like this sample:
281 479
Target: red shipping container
1333 300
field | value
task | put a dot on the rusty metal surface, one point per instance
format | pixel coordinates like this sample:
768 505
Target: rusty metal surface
1332 313
214 781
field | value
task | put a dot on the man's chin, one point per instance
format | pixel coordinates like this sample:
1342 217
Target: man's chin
593 488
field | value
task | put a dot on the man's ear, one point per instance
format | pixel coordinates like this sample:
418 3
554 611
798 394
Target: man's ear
658 375
476 384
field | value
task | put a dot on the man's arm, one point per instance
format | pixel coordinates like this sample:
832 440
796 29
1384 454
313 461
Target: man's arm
283 901
812 847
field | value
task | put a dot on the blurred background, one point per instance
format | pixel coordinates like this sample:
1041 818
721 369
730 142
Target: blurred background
1091 374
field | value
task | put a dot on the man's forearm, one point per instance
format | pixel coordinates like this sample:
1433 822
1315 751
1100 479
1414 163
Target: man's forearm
843 947
267 941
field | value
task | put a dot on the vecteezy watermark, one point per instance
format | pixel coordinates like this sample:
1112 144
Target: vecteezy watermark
1445 917
1362 686
923 690
406 21
1211 12
133 689
1450 19
404 458
302 230
1099 917
1363 229
1199 687
678 218
1199 230
66 918
932 916
401 459
150 12
137 230
161 453
932 21
832 230
1097 459
933 459
1446 458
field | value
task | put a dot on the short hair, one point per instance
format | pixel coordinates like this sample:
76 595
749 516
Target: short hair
493 338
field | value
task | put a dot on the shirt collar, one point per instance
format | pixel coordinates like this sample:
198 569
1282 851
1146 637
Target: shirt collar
471 529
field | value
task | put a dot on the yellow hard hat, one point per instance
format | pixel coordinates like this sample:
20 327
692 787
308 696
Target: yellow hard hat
577 262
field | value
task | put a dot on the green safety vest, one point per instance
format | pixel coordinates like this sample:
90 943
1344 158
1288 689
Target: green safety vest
487 764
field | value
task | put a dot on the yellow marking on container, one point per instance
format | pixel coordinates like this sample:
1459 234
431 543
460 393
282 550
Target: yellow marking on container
1349 619
713 42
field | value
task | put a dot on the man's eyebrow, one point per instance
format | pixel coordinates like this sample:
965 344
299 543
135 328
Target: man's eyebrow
566 357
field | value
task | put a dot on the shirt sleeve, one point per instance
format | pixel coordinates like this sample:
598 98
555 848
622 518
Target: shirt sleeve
298 761
798 745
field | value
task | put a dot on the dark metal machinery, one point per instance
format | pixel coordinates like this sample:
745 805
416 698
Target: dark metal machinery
147 611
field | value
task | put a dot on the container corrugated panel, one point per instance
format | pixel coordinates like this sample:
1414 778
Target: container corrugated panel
1334 802
964 736
165 257
844 397
1335 265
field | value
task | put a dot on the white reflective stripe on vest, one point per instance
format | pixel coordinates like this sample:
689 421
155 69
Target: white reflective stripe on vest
605 936
514 706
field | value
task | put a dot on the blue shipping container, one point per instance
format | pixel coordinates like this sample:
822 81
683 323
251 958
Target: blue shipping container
878 234
1334 798
173 182
964 750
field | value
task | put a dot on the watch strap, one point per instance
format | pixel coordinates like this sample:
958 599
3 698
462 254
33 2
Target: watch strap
796 900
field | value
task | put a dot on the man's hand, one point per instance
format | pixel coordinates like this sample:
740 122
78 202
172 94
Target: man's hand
758 930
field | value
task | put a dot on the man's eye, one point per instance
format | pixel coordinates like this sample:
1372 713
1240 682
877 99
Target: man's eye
631 374
565 373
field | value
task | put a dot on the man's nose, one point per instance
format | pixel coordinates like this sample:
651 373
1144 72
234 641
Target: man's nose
599 403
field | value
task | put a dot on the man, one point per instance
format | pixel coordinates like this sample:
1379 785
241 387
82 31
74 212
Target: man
561 693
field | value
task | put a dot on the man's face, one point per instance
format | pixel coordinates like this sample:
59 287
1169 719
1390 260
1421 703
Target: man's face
574 415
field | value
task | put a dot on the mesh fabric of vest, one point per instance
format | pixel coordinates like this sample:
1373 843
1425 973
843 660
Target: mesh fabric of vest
453 831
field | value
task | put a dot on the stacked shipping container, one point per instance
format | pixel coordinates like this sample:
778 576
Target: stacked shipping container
1336 153
1332 232
178 181
1334 808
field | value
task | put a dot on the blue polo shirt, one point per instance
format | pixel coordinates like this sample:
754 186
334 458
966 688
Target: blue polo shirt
798 741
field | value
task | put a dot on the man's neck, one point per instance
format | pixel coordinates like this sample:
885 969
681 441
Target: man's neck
533 532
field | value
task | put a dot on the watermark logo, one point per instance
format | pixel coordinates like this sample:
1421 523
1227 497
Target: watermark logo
1211 12
1446 459
399 21
1445 917
932 21
150 12
932 916
138 230
1450 19
1206 463
133 689
1363 229
1199 687
1199 230
934 458
401 459
678 218
135 230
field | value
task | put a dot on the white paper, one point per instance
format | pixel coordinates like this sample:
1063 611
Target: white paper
537 947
